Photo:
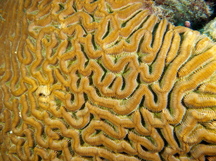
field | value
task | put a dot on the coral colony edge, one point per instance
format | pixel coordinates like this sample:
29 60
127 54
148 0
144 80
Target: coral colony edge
96 80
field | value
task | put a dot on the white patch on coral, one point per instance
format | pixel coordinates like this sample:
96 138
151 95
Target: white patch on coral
43 92
20 115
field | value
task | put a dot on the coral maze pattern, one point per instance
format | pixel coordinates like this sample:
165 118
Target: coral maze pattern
103 80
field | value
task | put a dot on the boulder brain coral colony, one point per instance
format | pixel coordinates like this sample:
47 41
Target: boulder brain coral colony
103 80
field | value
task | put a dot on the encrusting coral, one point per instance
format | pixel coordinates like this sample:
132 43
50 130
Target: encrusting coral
103 80
210 29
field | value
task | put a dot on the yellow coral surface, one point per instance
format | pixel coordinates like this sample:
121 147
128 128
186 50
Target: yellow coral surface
103 80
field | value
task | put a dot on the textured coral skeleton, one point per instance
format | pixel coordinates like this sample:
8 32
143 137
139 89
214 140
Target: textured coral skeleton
103 80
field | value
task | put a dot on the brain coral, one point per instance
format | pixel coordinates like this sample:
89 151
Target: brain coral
103 80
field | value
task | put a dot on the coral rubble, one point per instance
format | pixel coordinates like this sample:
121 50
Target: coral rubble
103 80
198 12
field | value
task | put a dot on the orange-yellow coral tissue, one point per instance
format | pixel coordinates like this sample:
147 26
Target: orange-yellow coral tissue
103 80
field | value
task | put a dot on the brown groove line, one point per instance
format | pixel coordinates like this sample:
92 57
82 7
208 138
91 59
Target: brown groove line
103 80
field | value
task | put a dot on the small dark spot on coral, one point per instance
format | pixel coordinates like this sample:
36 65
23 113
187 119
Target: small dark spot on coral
41 95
